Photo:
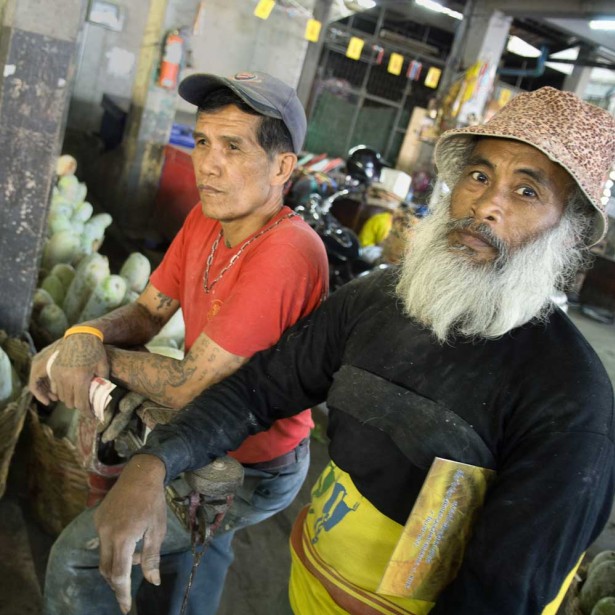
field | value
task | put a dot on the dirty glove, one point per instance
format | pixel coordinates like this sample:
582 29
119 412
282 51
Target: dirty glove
118 416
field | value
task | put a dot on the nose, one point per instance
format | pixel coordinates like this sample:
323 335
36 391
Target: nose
207 161
489 206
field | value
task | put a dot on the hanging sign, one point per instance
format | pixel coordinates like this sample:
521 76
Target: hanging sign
396 62
505 96
355 47
263 8
414 70
312 30
470 81
433 77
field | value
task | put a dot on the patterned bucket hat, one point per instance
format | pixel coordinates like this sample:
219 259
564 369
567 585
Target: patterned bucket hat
576 135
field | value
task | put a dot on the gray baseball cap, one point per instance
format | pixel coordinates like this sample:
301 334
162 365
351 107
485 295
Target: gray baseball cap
264 93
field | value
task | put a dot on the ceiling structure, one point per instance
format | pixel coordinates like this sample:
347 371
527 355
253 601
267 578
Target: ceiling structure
561 18
555 24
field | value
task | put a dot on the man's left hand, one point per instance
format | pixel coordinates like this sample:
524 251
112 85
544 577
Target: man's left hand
134 509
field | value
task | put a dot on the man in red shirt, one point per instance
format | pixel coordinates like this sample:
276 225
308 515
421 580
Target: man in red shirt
243 268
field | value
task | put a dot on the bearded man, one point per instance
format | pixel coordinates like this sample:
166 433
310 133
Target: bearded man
471 425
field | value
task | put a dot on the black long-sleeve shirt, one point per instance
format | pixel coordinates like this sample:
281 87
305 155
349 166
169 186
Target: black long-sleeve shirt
535 405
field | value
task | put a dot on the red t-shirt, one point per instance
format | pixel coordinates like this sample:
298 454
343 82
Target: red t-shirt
279 278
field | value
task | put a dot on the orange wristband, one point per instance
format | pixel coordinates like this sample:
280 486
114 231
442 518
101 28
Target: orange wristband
84 329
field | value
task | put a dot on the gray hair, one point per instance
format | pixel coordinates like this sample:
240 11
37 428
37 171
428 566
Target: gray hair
452 296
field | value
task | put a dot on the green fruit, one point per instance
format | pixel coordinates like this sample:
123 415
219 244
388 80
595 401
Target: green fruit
58 222
60 248
53 320
106 296
83 212
90 272
603 556
599 584
40 299
65 272
135 271
53 285
604 606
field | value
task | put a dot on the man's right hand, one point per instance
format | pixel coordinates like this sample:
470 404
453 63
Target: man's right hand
80 358
134 509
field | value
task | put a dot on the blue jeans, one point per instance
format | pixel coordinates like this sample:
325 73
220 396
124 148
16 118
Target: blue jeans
73 585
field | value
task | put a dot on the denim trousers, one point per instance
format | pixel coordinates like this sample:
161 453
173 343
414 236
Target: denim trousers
74 586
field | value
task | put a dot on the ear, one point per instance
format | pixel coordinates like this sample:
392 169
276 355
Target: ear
282 167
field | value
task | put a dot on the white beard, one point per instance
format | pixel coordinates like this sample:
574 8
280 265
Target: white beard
444 290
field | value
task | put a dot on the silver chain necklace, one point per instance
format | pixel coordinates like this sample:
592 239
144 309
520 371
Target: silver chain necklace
210 259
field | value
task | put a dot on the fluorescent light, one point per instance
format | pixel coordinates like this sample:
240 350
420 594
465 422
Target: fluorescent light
359 5
602 24
572 53
519 47
562 68
439 8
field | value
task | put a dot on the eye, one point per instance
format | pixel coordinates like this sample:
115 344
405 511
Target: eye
200 142
526 191
478 176
233 147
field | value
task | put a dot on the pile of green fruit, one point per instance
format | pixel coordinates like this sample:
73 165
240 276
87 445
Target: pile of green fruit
597 595
75 282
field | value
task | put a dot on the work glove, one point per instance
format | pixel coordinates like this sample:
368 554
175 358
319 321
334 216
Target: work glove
117 416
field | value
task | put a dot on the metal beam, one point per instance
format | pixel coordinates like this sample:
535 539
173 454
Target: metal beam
561 8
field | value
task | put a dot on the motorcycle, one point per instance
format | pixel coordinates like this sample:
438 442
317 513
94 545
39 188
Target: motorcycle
342 244
336 216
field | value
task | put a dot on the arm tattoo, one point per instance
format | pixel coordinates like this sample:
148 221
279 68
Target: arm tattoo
84 352
163 301
171 382
130 324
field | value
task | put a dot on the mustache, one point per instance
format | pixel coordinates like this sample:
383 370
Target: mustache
484 232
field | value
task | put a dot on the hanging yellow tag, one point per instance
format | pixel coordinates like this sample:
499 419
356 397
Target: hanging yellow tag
355 47
312 30
263 8
433 77
505 96
396 62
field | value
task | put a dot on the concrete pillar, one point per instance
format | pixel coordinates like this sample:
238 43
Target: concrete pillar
578 80
321 12
454 67
486 39
482 38
38 47
487 35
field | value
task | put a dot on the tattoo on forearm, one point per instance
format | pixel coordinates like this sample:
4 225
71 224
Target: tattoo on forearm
164 302
162 378
129 324
157 377
161 372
